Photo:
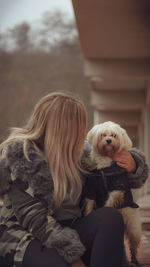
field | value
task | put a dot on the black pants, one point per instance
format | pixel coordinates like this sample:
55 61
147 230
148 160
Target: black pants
102 234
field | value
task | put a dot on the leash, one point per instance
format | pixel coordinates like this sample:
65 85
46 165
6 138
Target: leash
104 178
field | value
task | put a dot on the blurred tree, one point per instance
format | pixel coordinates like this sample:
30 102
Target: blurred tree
32 68
2 42
56 28
21 36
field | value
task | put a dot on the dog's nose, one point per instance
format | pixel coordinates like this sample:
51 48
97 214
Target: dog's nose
108 141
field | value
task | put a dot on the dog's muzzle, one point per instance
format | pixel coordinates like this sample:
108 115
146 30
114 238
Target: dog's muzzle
108 141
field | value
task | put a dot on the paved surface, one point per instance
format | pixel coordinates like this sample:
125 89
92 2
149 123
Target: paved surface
144 250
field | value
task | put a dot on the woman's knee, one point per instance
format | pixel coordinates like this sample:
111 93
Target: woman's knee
110 216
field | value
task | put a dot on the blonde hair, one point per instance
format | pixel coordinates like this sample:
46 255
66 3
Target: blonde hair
58 125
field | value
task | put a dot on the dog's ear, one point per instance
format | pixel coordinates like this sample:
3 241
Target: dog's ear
126 142
92 136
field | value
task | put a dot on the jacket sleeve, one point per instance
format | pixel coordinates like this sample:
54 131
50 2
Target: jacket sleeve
33 216
5 177
138 178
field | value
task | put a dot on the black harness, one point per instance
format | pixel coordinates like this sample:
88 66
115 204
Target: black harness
100 182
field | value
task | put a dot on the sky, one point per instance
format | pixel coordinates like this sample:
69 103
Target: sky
13 12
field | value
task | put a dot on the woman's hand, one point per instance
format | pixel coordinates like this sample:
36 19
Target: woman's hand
125 160
78 263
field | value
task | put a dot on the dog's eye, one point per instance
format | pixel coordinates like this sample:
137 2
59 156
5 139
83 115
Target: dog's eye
103 135
113 135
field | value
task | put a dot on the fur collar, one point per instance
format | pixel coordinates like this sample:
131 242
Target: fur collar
34 175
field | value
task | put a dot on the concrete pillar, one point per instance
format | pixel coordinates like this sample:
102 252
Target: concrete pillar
96 118
115 100
147 144
141 136
141 147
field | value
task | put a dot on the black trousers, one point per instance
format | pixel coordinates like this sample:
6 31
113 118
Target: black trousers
102 234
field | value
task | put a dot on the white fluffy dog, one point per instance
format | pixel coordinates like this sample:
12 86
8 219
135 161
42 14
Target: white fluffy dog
106 139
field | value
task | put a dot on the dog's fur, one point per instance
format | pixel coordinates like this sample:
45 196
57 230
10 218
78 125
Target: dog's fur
106 139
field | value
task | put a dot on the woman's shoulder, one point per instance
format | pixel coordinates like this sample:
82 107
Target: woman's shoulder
21 163
15 151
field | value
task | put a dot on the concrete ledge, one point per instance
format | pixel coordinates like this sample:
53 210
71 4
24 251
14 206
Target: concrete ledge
145 221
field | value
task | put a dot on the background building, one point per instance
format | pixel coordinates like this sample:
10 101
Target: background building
115 41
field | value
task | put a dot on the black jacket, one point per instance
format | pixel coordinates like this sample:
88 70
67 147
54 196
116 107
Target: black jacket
100 183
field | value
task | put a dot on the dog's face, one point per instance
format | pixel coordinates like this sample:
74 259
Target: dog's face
108 138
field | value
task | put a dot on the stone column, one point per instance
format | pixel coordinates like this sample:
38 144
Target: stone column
147 144
96 118
141 147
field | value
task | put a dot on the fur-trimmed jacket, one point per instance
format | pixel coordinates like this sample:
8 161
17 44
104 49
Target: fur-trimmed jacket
24 218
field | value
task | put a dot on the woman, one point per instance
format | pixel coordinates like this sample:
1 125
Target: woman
41 181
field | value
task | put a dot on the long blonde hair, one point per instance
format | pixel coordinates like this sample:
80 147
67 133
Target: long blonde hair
57 127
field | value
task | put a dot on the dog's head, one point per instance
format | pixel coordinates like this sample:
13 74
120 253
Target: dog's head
108 138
